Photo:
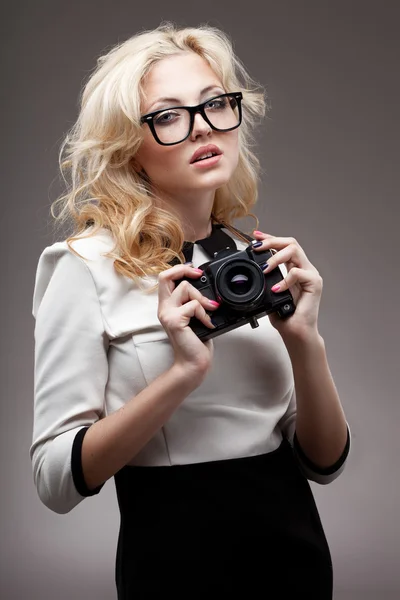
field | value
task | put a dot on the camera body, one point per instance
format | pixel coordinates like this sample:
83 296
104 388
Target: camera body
234 279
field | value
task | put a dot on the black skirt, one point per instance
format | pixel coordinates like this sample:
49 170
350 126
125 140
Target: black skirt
241 528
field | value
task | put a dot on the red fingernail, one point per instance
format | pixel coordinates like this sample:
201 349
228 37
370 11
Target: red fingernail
275 288
258 232
198 271
214 303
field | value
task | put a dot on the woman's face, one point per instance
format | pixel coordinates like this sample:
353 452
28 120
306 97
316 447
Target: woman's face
185 80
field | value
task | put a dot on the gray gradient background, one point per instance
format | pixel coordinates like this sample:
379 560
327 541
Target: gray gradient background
330 154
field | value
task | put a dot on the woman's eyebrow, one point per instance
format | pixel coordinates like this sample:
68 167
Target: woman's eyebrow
178 102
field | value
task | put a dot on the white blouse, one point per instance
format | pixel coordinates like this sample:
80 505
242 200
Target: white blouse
99 343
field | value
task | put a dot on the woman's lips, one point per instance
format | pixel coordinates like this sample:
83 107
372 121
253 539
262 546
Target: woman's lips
203 150
207 162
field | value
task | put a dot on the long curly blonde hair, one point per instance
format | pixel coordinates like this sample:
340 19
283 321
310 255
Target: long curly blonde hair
105 190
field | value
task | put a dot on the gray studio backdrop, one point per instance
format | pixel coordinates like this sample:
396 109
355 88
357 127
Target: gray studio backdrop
330 156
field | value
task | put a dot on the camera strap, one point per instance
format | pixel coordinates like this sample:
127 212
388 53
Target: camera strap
218 240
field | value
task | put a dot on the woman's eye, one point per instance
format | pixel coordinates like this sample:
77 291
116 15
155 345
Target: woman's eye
217 103
165 118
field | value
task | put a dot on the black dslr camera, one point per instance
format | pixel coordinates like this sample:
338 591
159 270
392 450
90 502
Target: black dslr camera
234 278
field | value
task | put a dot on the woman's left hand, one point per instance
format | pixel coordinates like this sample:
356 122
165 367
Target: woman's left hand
302 278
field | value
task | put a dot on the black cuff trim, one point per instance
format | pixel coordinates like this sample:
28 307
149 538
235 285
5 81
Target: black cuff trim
321 471
76 466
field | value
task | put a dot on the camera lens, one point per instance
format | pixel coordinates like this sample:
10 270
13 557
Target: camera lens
240 283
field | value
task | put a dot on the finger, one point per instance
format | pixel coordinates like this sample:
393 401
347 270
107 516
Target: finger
167 278
261 235
290 253
275 242
185 292
305 277
283 250
195 309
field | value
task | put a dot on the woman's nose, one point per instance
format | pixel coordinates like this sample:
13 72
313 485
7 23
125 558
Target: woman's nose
200 126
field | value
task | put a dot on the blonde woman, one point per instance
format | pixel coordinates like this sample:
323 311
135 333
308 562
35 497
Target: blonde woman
211 441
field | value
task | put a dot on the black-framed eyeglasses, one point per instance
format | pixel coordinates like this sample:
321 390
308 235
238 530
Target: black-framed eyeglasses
174 125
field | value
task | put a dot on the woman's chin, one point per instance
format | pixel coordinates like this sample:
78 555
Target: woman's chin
211 181
198 186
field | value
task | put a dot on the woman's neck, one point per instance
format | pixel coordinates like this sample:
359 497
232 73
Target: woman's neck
196 229
195 217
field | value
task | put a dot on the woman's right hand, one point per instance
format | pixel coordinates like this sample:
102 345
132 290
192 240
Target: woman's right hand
176 306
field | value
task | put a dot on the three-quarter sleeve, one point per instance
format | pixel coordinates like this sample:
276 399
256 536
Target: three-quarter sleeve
70 374
312 471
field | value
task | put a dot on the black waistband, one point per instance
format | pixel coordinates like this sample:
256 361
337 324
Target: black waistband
161 484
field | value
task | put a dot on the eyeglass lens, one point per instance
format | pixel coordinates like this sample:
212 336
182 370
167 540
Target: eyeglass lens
172 125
